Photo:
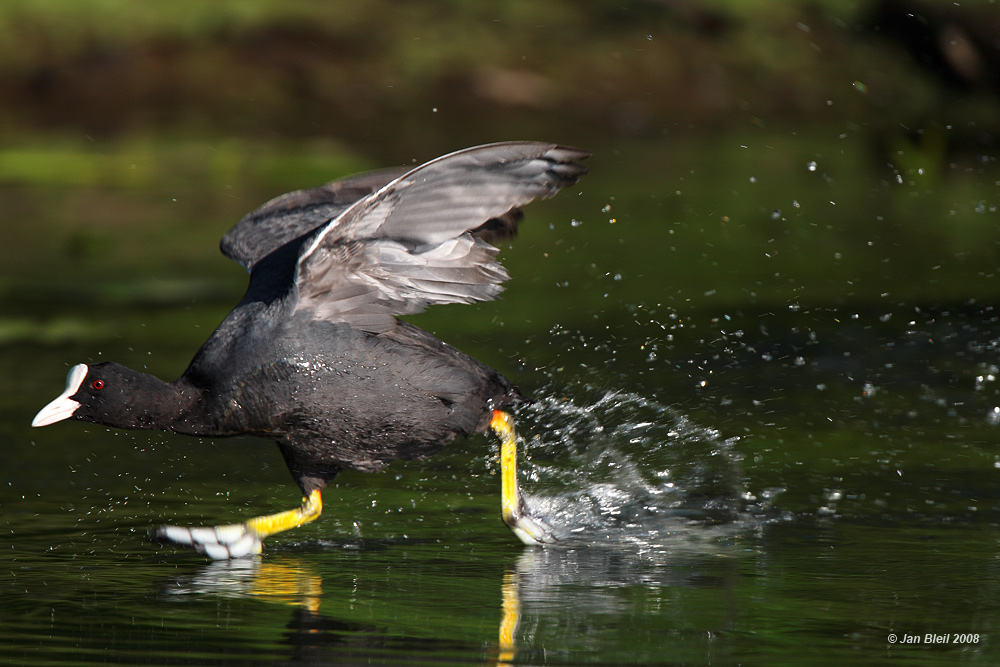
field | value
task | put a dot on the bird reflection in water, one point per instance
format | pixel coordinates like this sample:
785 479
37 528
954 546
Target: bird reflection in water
511 606
290 583
534 607
311 634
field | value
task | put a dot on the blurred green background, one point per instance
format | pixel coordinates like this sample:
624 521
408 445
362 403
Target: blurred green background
800 140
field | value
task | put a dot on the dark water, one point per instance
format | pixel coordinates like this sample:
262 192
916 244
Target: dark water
765 422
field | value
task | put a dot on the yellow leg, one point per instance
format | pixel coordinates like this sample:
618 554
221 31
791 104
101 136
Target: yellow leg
240 539
311 508
512 506
510 495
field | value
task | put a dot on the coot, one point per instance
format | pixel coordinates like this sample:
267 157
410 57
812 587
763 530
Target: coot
313 355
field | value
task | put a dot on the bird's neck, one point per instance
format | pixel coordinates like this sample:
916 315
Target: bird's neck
188 410
179 407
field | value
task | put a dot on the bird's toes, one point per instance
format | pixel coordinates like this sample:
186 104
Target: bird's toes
216 542
531 530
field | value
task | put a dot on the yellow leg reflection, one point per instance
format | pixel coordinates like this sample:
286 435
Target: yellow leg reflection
513 509
240 539
279 580
290 585
511 608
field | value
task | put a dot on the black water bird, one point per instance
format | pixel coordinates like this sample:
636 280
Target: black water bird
314 357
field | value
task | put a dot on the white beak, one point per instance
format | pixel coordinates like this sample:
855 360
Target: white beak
64 406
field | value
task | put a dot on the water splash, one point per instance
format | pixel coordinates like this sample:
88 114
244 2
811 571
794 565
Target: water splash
614 467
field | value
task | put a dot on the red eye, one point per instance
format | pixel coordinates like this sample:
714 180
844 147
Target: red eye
97 384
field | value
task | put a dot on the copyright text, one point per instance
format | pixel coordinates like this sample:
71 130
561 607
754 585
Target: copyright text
933 638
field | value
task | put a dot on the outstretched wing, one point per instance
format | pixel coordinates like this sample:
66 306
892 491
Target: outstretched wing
421 239
295 214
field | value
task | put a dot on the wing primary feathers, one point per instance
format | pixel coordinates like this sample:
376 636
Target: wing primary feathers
381 245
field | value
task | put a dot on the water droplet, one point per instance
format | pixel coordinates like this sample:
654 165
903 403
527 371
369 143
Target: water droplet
993 418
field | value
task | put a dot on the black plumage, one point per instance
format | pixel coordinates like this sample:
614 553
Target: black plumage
313 355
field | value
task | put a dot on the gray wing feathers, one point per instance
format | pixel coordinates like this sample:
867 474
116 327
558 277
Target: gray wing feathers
367 283
461 191
419 240
292 215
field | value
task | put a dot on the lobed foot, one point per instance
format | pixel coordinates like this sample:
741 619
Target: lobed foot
531 530
240 539
216 542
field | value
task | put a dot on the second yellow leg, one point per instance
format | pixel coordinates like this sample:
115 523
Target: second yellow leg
512 506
